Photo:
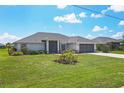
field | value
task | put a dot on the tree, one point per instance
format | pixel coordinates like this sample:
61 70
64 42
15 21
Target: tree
122 41
9 47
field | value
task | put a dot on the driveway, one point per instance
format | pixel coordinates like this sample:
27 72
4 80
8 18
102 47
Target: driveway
109 55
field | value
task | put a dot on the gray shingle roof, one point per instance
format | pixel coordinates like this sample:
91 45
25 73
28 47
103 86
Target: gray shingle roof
36 38
80 39
103 40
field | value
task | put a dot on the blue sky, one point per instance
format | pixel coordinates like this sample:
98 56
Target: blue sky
20 21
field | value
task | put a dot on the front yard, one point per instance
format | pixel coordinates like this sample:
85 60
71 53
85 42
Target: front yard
41 71
118 52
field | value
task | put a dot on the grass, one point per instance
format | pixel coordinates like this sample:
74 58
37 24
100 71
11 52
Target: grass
118 52
40 71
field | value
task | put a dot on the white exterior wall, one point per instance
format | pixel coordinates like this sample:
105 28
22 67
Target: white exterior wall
77 47
74 46
95 48
47 46
58 46
18 47
40 46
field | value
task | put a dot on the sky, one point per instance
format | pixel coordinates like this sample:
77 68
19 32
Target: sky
17 22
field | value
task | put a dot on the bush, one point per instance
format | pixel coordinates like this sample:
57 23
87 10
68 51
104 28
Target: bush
42 52
37 52
105 49
17 53
68 57
99 47
11 50
33 52
24 50
121 48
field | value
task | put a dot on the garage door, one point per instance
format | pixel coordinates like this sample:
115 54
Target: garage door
86 48
52 47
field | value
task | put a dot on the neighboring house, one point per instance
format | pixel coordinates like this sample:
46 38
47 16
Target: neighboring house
104 40
2 45
113 43
55 43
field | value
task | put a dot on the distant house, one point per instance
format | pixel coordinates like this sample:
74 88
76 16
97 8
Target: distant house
113 43
104 40
55 43
2 45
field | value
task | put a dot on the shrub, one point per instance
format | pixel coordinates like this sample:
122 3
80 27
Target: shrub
11 50
68 57
121 48
105 49
37 52
33 52
24 50
42 52
17 53
99 47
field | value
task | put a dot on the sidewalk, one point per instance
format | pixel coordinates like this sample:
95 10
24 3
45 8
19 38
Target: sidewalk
109 55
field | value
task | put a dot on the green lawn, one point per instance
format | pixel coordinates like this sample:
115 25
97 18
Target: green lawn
118 52
41 71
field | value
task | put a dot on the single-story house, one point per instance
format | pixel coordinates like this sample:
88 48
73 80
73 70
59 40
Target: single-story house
105 40
55 43
113 43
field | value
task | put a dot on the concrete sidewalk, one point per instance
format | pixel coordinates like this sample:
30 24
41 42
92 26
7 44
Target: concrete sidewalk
109 55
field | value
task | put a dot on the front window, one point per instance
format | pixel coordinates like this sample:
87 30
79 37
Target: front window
23 45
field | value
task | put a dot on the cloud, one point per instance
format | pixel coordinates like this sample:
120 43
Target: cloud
89 36
96 15
6 37
61 6
69 18
121 23
116 8
60 26
104 11
82 14
98 28
118 35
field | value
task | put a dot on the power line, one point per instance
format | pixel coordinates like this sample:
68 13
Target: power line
98 12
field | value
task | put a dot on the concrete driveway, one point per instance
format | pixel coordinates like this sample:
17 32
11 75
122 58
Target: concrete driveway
109 55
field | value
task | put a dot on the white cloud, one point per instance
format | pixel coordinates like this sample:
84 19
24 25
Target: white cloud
104 11
121 23
61 6
60 26
98 28
118 35
82 14
116 8
69 18
96 15
6 37
89 36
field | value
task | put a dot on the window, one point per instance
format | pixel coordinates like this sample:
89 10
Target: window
23 45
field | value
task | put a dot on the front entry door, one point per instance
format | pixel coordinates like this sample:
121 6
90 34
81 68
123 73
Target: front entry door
52 47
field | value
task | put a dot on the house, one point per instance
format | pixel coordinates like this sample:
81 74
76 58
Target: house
2 45
104 40
55 43
113 43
